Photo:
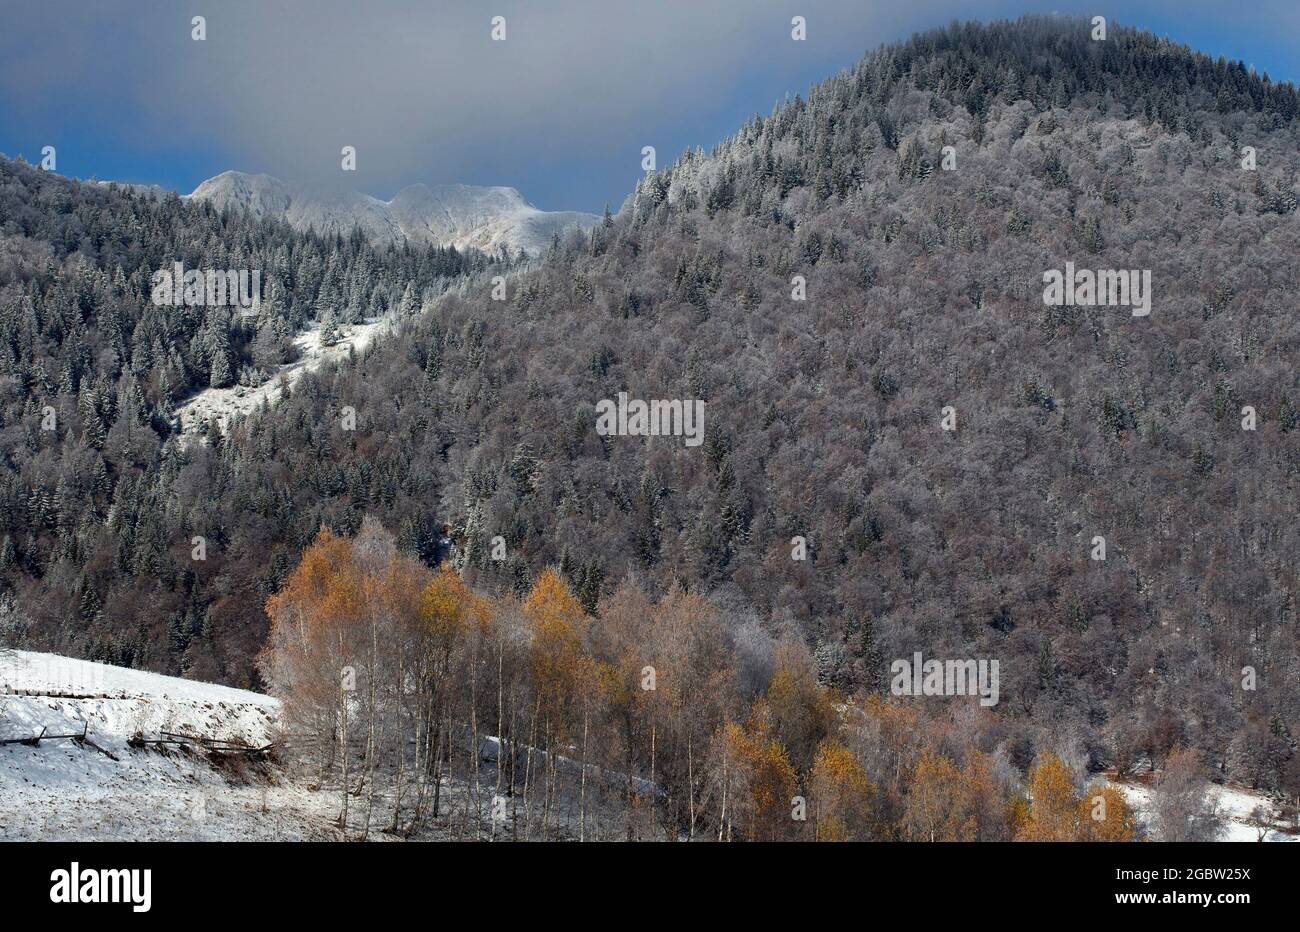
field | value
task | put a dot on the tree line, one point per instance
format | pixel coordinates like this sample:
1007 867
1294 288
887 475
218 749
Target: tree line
649 720
95 502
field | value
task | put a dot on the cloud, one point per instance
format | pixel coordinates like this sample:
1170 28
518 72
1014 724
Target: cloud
421 90
421 87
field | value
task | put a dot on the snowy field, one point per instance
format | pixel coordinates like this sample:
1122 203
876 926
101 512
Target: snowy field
1234 805
103 788
219 404
108 787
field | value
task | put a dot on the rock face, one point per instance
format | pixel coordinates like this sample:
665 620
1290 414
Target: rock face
444 215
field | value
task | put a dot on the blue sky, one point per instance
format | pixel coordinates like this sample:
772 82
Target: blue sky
559 110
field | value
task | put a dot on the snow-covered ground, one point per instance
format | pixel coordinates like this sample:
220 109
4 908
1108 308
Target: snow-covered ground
28 672
106 789
218 404
1234 804
109 786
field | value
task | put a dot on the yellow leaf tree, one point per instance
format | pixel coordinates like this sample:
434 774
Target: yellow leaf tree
310 658
1104 815
937 807
1053 805
842 795
558 663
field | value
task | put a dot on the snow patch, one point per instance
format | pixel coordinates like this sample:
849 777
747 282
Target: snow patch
1235 805
108 787
220 405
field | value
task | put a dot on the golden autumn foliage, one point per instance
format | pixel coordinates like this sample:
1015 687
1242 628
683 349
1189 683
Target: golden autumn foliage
399 592
1104 815
1018 815
315 619
551 602
444 604
558 658
325 588
761 780
795 708
937 803
1053 805
945 802
843 796
1053 812
647 691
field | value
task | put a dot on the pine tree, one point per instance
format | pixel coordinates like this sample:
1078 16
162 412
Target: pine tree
329 331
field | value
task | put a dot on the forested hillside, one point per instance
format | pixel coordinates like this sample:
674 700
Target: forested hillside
924 290
99 505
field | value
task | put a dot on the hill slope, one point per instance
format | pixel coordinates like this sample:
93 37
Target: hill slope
924 290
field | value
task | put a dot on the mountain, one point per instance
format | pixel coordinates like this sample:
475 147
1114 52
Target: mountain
441 215
837 282
832 282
